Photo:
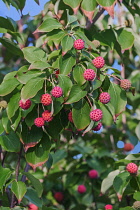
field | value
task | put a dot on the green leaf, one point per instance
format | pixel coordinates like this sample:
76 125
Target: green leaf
48 25
24 77
136 196
10 142
65 83
38 155
88 5
133 157
137 130
67 65
80 114
39 65
6 23
78 75
125 39
32 196
33 54
76 94
13 105
6 122
31 88
106 3
67 44
19 189
59 155
5 174
35 182
72 3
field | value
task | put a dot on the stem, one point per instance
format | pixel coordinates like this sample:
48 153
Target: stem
113 76
27 167
89 101
123 115
112 142
4 156
101 11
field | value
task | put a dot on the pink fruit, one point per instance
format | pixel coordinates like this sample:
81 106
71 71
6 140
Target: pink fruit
39 122
108 206
81 189
96 115
98 127
25 105
70 117
93 174
79 44
58 196
128 147
47 116
98 62
89 74
57 92
104 97
125 84
46 99
32 207
132 168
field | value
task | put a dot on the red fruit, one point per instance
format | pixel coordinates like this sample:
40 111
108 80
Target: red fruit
70 117
39 122
25 105
98 127
57 73
57 92
79 44
128 147
93 174
96 115
47 116
104 97
132 168
81 189
59 196
98 62
125 84
32 207
108 206
46 99
89 74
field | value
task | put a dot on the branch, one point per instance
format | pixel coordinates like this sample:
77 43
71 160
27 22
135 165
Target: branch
101 11
27 167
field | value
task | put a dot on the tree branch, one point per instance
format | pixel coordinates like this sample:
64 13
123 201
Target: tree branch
101 11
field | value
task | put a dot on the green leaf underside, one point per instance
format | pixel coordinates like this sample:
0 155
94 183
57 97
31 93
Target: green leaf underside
19 189
106 3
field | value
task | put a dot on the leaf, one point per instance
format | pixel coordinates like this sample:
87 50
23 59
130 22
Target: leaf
33 54
110 9
35 182
78 75
80 114
108 181
137 131
39 65
106 3
74 4
24 77
6 122
48 25
67 65
19 189
38 155
13 105
67 44
59 155
31 88
136 196
76 94
5 23
32 196
88 7
65 83
5 174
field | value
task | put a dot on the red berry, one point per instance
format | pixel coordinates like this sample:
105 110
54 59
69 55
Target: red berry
93 174
25 104
98 127
96 115
57 92
132 168
98 62
46 99
125 84
79 44
108 206
128 147
47 116
59 196
32 207
39 122
70 117
81 189
89 74
104 97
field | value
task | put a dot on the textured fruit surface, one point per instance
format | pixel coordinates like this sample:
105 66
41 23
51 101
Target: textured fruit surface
81 189
57 92
136 204
108 206
128 147
3 104
32 207
79 44
46 99
93 174
104 97
70 117
96 115
89 74
59 196
25 105
47 116
98 127
39 122
132 168
98 62
125 84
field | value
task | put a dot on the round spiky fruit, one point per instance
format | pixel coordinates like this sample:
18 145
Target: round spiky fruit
46 99
57 92
58 196
32 207
96 115
136 204
96 43
25 104
108 206
89 74
104 97
79 44
125 84
70 117
128 147
81 189
39 122
98 62
98 127
132 168
3 104
93 174
47 116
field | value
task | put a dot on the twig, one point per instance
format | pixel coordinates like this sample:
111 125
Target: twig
27 167
4 156
101 11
